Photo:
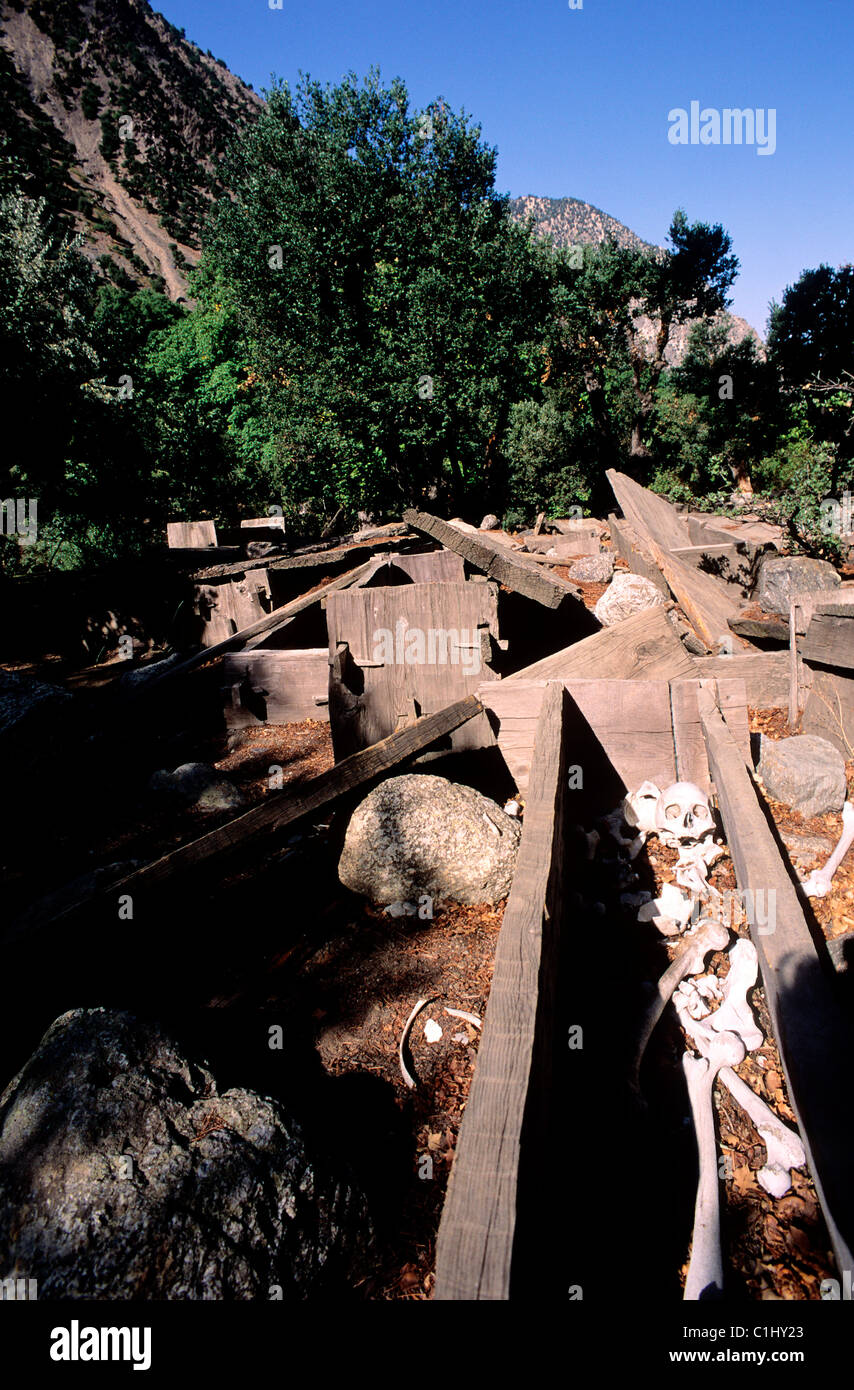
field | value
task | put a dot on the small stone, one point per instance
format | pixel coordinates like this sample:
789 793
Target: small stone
490 522
197 785
772 1081
593 569
804 772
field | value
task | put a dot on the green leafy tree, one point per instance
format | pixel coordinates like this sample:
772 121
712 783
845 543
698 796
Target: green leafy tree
391 309
811 342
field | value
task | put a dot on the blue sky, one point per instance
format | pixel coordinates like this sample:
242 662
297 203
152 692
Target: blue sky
577 102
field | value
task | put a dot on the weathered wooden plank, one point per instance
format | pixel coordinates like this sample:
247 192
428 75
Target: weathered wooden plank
276 687
768 628
432 567
829 709
811 1031
574 545
637 553
270 623
394 651
708 603
258 825
511 1093
765 675
829 639
190 535
229 606
650 515
320 557
641 647
497 562
623 732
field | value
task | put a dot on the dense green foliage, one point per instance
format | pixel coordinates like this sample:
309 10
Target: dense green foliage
371 328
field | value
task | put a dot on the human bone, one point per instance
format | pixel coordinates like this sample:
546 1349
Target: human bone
820 881
683 813
705 1268
709 936
784 1149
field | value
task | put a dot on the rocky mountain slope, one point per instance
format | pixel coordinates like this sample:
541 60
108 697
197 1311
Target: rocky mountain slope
119 120
569 222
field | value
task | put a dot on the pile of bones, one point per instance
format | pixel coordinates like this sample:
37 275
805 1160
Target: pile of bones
717 1018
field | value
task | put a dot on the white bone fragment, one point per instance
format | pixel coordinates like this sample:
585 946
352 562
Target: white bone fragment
783 1146
432 1031
512 808
673 906
639 807
820 881
735 1014
705 1269
459 1037
709 936
407 1076
467 1018
695 996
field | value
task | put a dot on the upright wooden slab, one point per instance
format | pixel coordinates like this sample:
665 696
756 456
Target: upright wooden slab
190 535
765 675
829 709
622 732
829 638
641 647
433 567
380 676
814 1036
496 561
637 553
649 514
502 1164
276 687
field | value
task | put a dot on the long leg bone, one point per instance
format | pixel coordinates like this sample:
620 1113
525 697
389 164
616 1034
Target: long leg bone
784 1148
709 936
819 883
705 1269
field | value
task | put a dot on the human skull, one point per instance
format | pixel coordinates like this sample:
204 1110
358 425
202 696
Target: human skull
683 814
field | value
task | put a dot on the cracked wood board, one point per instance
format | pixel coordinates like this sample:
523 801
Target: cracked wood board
489 1245
643 646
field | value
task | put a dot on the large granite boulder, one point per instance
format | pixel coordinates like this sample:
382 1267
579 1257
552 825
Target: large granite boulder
125 1174
418 834
783 577
804 772
625 595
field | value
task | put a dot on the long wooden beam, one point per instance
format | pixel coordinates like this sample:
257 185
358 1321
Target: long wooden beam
814 1036
499 563
283 808
512 1085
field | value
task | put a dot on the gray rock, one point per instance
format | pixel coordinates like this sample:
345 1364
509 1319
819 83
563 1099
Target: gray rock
27 704
197 785
125 1174
593 569
804 849
625 595
804 772
490 522
420 834
783 577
